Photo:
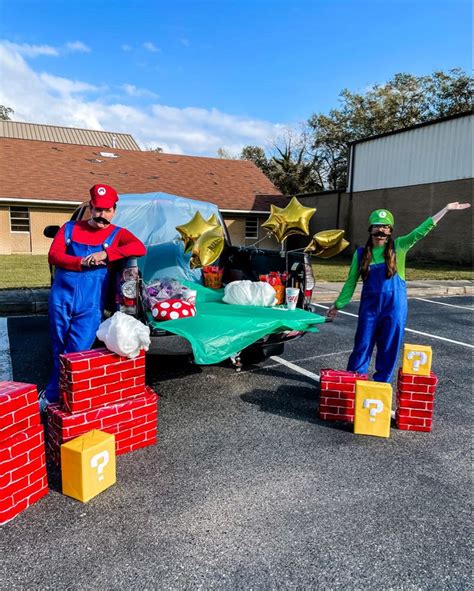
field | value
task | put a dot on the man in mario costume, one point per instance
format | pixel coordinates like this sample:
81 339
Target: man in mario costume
81 252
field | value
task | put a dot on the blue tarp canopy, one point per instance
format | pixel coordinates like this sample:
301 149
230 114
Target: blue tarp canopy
153 218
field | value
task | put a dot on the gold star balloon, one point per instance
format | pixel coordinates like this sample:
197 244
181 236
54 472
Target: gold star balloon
327 244
213 220
293 219
207 248
274 223
191 231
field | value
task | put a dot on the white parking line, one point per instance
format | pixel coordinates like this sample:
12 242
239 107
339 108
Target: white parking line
6 372
445 304
297 368
301 359
425 334
319 356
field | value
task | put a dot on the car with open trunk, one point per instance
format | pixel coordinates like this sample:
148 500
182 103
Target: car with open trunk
153 217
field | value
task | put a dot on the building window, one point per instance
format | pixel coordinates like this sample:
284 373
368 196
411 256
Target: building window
251 228
19 219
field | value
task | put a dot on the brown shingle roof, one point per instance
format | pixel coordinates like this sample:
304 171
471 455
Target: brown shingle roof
46 170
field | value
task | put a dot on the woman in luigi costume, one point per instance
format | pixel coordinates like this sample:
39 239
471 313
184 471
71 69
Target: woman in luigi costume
383 304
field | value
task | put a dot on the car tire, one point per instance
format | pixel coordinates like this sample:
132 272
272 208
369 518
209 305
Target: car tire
255 355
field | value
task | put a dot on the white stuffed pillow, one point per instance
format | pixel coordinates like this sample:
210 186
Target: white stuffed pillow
249 293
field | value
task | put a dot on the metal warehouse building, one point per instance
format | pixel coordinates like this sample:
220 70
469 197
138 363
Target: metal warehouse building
414 172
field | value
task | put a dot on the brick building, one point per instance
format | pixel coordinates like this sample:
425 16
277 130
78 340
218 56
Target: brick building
42 182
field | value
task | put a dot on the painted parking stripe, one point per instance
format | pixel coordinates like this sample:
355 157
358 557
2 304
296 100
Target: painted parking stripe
445 304
297 368
425 334
6 372
303 359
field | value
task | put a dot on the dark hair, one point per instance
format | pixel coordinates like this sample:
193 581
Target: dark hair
388 255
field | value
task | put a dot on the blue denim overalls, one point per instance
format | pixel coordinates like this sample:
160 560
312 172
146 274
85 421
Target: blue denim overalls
76 305
382 318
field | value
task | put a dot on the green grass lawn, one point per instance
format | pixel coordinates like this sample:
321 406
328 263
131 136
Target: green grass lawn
19 270
32 271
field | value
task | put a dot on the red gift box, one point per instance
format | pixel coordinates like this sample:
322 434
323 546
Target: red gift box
415 401
22 471
337 397
92 379
19 409
134 423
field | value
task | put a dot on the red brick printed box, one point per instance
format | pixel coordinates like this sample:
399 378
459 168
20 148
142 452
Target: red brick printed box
415 401
134 423
19 408
22 472
337 398
96 378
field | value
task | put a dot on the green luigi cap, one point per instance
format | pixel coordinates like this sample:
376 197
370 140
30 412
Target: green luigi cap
382 217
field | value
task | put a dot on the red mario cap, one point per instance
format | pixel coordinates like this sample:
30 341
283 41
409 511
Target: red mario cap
103 196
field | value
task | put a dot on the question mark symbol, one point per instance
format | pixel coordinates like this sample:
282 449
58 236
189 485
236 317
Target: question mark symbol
373 410
417 362
100 461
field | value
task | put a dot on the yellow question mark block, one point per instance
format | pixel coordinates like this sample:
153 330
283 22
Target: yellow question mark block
373 408
88 465
417 360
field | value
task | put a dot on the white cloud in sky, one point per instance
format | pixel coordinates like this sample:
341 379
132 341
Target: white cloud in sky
31 50
126 47
185 41
78 46
27 50
40 97
151 47
64 86
133 90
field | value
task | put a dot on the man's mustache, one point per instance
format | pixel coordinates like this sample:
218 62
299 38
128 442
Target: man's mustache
380 235
100 219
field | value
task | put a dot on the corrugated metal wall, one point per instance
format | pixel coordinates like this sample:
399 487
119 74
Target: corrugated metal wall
429 154
67 135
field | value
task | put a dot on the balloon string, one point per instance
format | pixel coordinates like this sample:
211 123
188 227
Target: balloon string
268 235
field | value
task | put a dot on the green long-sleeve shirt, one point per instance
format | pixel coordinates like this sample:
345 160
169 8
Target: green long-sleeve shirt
402 246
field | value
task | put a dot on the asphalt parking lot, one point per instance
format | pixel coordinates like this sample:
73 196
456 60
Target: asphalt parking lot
248 489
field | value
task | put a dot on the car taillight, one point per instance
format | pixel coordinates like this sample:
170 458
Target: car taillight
308 275
309 282
128 287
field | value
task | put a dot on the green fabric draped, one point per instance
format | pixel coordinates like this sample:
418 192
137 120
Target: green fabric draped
220 330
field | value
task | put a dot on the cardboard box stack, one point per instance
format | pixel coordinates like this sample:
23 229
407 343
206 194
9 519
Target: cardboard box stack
415 401
337 398
416 389
23 478
102 390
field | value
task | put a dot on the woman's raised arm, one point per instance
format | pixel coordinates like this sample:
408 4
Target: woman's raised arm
450 207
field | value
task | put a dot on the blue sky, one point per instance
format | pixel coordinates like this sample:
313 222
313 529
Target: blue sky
192 76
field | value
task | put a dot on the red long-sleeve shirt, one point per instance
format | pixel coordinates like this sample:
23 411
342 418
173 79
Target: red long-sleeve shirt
125 245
